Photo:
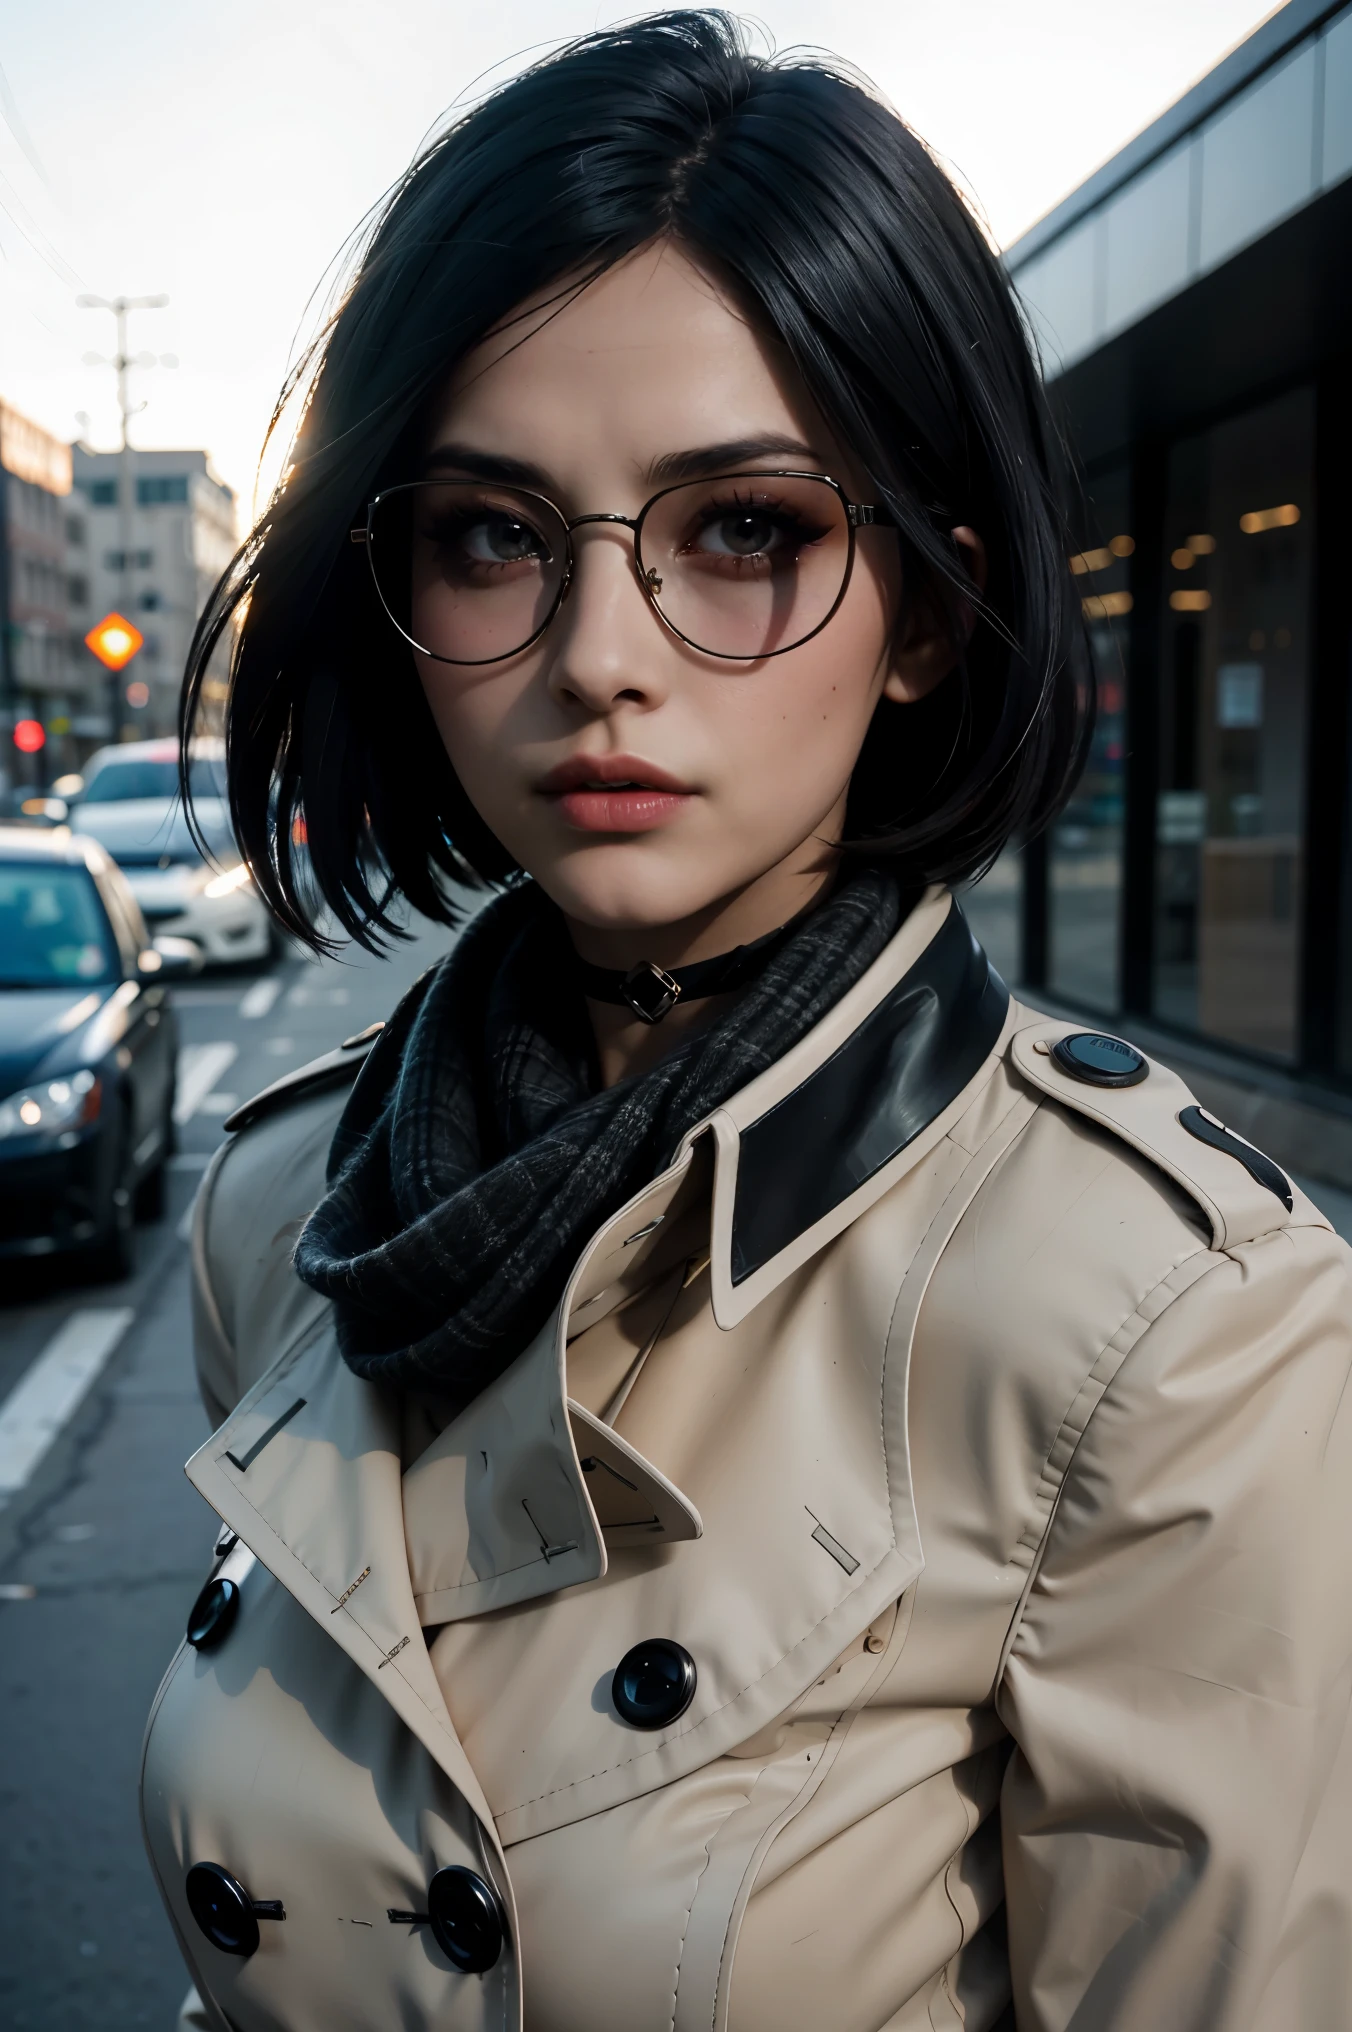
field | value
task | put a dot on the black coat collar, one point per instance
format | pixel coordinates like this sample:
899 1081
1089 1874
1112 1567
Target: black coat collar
804 1148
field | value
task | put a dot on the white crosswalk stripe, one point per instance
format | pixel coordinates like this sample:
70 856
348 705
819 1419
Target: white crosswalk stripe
199 1068
260 997
53 1388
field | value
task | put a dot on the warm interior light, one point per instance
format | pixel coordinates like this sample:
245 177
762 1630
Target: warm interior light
1190 602
233 878
1122 546
1090 560
1183 559
1106 606
1201 546
1259 519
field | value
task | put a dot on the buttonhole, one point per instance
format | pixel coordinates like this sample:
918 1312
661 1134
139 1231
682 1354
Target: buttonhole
590 1465
548 1551
833 1545
264 1437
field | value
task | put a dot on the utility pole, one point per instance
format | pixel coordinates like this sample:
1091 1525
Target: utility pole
122 361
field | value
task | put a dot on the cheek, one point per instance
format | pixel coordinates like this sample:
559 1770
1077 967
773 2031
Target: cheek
478 717
807 712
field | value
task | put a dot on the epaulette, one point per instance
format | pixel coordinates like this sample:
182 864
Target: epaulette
335 1069
1240 1191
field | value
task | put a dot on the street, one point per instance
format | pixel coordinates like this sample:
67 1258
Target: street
105 1546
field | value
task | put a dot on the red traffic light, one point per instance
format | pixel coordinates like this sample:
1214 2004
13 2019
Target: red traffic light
29 736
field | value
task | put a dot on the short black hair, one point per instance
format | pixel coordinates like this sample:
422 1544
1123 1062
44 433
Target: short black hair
848 244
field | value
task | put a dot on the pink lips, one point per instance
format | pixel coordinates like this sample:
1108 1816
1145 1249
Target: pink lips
614 793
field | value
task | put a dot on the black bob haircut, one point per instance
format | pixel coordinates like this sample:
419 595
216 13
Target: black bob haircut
847 243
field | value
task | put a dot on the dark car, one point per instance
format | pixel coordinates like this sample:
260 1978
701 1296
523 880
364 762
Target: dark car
88 1051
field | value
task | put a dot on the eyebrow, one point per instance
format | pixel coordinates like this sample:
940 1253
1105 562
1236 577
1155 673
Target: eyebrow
669 470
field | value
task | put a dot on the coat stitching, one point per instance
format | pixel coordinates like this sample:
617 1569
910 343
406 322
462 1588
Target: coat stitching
1203 1269
714 1833
624 1763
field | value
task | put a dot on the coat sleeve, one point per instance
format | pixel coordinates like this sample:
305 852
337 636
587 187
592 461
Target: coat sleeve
1178 1683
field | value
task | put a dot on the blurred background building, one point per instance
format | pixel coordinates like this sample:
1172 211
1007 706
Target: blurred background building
39 671
1193 300
73 550
152 556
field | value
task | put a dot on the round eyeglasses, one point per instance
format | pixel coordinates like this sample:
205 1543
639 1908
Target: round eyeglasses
740 566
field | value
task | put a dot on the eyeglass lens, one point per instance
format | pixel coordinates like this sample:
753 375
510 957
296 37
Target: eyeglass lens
742 567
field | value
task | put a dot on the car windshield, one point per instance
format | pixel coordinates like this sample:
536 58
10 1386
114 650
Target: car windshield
115 781
53 931
141 835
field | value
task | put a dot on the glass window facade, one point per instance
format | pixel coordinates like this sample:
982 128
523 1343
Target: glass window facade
1148 228
1258 158
1230 807
1084 857
1338 100
1060 292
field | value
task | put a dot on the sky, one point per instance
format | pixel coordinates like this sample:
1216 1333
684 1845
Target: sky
223 152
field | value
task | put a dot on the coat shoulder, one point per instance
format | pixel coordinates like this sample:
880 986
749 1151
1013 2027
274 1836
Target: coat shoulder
261 1188
1099 1077
332 1070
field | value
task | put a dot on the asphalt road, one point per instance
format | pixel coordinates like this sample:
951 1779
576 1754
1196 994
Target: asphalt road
103 1550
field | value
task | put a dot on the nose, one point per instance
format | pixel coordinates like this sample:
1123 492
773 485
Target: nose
608 647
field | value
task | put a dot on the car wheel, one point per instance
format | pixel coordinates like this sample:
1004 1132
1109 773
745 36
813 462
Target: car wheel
114 1257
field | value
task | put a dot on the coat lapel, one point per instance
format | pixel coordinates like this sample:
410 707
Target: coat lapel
307 1471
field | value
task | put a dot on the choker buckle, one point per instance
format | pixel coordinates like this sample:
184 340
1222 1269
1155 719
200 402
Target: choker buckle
650 991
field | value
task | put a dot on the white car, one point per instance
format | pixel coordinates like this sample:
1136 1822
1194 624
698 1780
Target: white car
130 805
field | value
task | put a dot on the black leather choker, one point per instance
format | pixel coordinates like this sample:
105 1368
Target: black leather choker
652 993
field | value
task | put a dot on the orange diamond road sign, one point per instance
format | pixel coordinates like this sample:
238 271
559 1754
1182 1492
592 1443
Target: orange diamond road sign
114 640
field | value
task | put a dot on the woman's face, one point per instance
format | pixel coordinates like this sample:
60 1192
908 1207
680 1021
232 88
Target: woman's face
739 770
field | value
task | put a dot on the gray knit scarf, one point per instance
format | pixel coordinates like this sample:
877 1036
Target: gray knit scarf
477 1152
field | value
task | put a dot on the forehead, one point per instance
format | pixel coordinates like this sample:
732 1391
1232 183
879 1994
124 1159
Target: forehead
653 354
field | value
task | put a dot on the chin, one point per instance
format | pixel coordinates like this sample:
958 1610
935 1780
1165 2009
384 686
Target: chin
619 889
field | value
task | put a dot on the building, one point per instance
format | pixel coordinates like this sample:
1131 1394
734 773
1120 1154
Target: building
1193 300
37 667
160 531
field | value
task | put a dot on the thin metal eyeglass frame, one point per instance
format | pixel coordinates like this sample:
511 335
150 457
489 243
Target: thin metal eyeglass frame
858 515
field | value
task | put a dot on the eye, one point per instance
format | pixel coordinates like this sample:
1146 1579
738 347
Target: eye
485 537
769 534
743 532
500 539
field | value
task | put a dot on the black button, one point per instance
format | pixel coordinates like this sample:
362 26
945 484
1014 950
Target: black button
466 1918
211 1615
223 1909
654 1683
1100 1061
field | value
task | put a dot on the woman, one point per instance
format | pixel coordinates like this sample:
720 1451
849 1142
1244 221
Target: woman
764 1486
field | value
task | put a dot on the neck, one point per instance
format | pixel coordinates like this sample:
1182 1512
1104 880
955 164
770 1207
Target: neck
625 1045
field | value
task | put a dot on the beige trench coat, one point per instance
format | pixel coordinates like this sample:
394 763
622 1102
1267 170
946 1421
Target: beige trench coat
982 1435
